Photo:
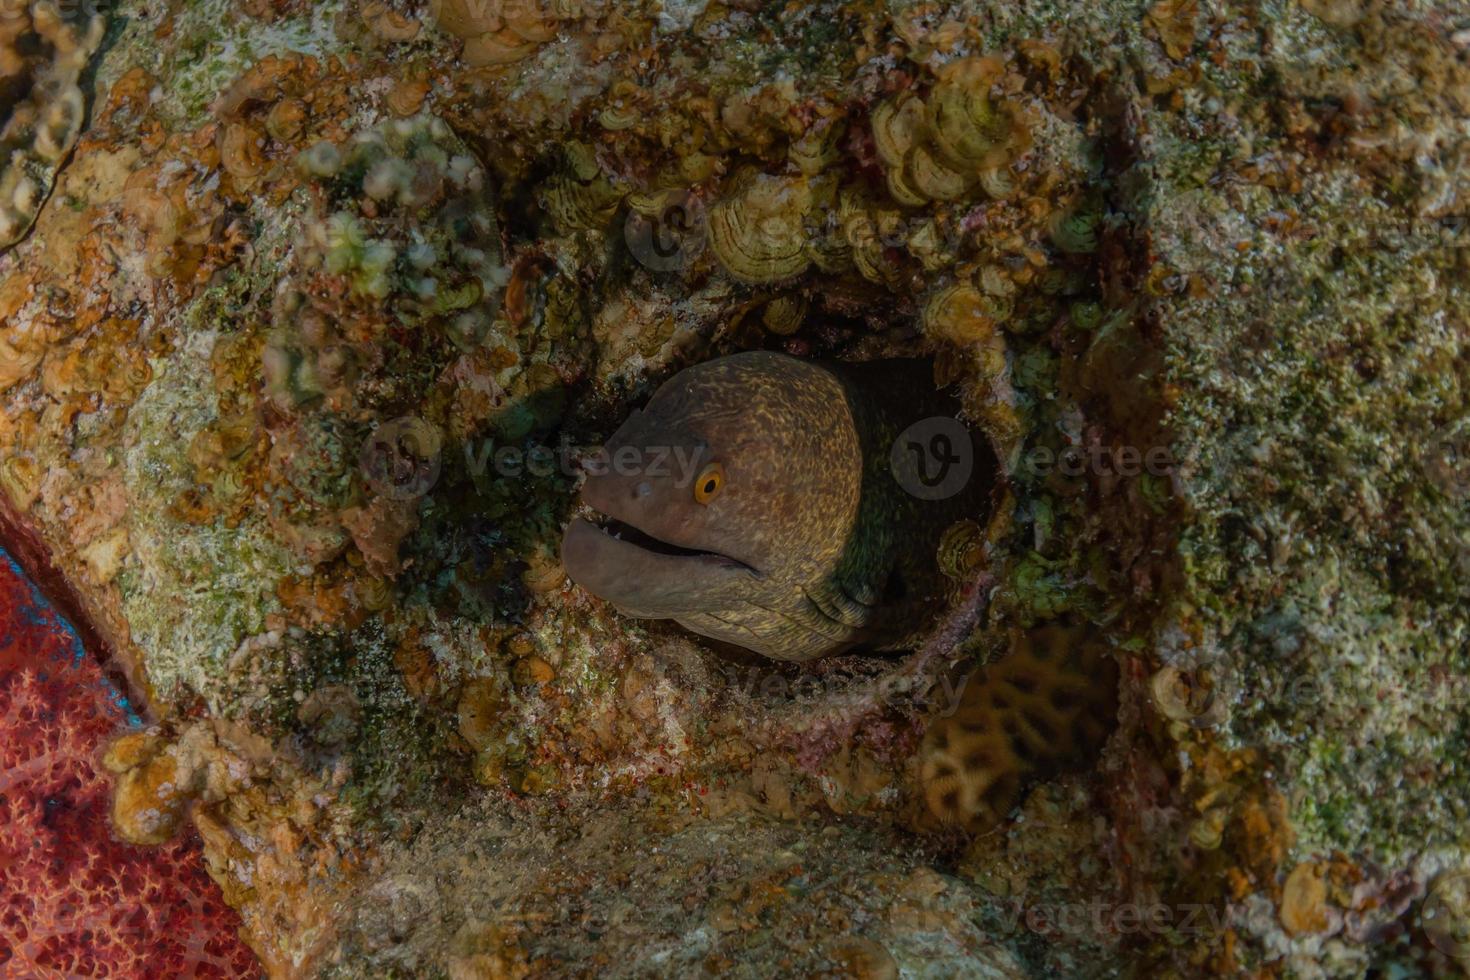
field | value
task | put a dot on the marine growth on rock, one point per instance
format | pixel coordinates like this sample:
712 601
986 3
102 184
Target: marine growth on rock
45 47
322 328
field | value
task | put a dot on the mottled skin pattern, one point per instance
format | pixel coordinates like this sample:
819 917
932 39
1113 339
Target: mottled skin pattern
811 547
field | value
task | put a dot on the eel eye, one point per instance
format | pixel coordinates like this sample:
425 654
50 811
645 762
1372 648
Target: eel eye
710 482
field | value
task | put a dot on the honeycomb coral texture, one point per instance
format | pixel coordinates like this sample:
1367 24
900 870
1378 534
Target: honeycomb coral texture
1044 708
73 901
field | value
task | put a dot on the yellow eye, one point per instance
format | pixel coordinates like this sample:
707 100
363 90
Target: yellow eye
710 482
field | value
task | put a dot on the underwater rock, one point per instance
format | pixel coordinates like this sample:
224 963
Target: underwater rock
716 893
301 360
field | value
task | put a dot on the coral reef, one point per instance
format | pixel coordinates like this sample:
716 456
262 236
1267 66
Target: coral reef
73 901
716 896
44 49
937 148
299 358
1044 706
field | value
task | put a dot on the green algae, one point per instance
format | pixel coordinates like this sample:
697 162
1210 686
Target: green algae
1309 496
191 593
216 41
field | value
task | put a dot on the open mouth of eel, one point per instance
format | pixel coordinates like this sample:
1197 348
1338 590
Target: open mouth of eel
629 534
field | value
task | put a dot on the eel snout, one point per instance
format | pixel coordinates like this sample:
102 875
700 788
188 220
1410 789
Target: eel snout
618 561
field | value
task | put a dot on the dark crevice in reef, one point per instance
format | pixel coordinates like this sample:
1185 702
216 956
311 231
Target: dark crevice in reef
1121 380
828 687
13 91
1120 377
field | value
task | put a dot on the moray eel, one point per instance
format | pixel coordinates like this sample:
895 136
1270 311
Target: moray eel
754 501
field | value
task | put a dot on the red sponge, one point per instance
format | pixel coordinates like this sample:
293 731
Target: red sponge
74 902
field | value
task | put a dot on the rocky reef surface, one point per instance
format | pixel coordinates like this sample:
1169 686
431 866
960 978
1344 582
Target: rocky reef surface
327 297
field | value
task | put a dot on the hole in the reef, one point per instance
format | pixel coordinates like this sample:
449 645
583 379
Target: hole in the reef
897 588
521 213
12 92
979 759
1041 724
1023 682
839 329
999 794
829 334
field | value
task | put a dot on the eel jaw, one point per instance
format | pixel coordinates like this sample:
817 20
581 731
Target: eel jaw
620 530
643 575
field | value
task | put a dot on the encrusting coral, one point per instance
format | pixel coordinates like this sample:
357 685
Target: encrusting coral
937 147
501 32
45 47
1046 705
759 232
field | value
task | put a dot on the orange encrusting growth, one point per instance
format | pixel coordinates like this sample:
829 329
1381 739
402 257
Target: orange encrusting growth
1046 707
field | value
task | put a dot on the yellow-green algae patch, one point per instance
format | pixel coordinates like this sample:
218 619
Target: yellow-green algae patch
212 43
193 592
